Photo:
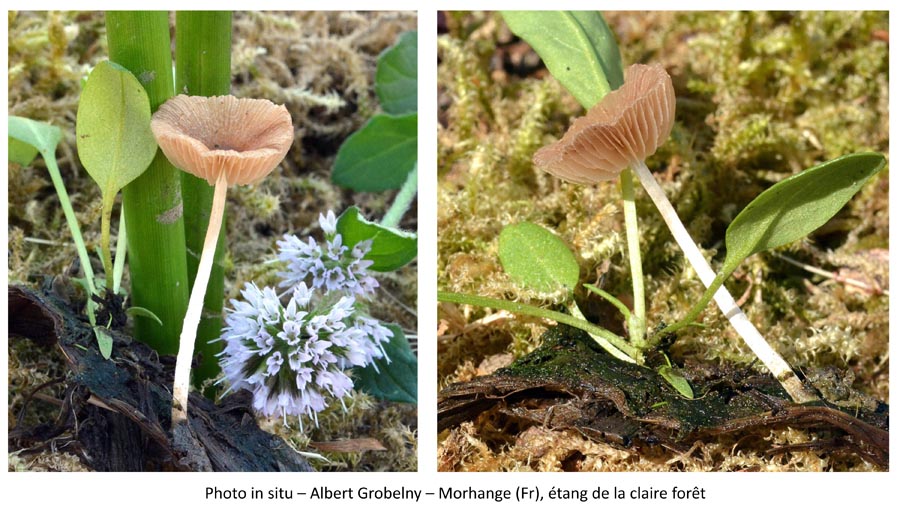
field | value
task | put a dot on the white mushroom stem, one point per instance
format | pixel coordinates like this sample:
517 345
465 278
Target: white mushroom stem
742 325
637 322
182 384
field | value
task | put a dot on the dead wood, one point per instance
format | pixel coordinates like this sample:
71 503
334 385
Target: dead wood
116 412
569 383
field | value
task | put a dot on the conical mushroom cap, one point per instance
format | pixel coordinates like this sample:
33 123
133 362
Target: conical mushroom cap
625 127
205 136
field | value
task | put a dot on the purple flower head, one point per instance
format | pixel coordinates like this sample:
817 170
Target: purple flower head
329 265
294 358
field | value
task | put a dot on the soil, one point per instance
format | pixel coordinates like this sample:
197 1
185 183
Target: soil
570 384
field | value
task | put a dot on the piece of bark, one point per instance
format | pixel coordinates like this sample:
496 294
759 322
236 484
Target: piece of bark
570 383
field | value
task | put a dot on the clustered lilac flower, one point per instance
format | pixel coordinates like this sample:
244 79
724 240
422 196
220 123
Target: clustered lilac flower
330 265
294 357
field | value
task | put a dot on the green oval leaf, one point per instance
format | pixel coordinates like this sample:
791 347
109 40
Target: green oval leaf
395 381
42 136
391 248
676 380
577 47
797 206
536 258
396 78
104 341
112 128
379 156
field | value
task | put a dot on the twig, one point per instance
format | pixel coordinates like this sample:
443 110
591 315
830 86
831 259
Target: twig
835 277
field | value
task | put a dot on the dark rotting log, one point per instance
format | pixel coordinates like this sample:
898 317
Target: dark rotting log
118 409
570 383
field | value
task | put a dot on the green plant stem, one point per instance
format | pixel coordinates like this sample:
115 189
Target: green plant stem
203 67
601 341
403 200
121 252
609 298
638 321
739 321
72 222
524 309
696 310
105 250
139 41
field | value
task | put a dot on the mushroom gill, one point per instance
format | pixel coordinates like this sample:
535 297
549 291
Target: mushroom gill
624 128
205 136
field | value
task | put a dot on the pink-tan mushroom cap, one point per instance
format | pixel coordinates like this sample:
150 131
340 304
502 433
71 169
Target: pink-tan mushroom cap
626 127
241 137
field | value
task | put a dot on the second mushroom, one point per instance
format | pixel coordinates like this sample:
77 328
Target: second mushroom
621 131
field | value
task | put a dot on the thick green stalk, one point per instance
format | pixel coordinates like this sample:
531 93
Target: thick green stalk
203 67
139 41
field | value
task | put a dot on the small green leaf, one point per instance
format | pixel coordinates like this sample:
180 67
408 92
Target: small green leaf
674 378
536 258
21 152
112 129
104 341
577 47
395 381
115 143
379 156
138 311
797 206
396 78
391 248
42 136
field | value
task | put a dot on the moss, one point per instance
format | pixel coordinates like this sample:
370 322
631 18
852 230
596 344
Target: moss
321 65
795 96
46 462
389 424
760 96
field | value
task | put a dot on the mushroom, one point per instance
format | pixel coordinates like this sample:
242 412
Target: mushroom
621 131
226 141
